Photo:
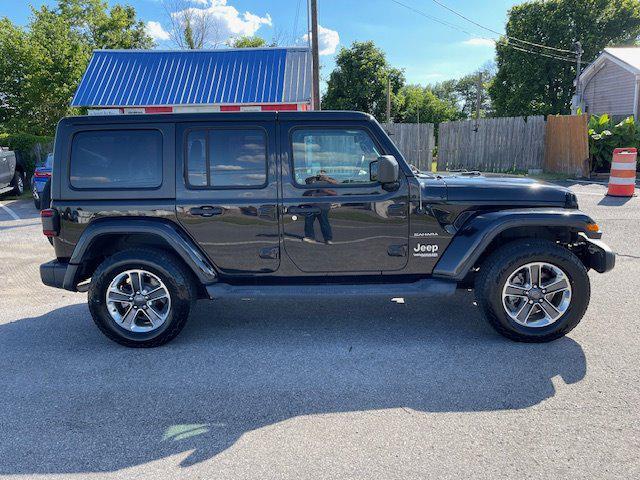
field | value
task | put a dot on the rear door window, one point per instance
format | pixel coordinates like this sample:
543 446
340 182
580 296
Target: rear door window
227 158
116 159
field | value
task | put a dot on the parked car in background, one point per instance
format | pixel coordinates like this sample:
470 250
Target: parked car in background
11 173
41 175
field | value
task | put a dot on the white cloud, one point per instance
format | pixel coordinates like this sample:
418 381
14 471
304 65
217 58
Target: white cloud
479 42
155 31
229 22
328 40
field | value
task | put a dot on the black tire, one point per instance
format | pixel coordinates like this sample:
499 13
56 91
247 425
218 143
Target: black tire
36 203
18 183
173 273
497 268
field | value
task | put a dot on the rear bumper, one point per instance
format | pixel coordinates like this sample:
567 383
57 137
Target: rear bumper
53 273
599 256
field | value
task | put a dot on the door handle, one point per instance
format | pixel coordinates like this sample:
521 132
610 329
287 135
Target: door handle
206 211
303 210
268 212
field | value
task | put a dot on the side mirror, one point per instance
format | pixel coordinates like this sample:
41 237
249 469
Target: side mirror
384 170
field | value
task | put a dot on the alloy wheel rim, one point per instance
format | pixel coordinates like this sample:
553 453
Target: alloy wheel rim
537 294
138 301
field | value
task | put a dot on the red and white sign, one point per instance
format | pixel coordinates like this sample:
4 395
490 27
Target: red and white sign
280 107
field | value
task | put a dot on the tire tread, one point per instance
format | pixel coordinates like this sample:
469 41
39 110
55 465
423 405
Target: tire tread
500 260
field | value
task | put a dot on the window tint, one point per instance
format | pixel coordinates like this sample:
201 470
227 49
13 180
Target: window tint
119 159
227 158
336 156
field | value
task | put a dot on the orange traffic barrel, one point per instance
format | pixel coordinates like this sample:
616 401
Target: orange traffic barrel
622 181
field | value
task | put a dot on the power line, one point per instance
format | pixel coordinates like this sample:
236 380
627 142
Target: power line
296 24
435 19
455 12
556 57
509 45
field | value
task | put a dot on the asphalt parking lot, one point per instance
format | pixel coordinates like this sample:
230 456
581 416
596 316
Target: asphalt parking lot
338 389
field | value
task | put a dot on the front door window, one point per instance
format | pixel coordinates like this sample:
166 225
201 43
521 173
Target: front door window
332 156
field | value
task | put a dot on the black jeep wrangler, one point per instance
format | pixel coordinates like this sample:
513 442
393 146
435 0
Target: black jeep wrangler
150 213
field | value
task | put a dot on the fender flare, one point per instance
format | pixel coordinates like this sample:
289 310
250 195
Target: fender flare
181 244
475 236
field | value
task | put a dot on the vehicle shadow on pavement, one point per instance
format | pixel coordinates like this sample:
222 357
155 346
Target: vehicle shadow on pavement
73 402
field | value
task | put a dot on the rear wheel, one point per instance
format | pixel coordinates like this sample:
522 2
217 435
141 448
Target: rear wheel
18 182
533 290
141 298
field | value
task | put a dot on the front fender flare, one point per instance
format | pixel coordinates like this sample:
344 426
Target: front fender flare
475 236
181 244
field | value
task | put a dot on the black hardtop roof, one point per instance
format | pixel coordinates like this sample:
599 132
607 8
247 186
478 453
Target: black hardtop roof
219 117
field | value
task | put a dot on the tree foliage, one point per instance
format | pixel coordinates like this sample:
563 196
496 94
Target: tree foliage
41 65
421 104
528 84
359 81
192 28
463 92
248 42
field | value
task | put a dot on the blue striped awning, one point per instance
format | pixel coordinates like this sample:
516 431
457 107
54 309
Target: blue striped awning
128 78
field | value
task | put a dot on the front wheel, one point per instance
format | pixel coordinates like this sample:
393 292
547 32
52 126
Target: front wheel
141 297
533 290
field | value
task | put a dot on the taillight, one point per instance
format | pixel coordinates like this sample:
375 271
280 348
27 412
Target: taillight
50 222
42 174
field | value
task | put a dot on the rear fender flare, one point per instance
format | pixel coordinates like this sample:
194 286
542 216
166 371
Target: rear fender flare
475 236
179 242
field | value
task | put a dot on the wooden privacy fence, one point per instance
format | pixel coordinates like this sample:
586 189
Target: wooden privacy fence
496 145
415 141
567 145
517 144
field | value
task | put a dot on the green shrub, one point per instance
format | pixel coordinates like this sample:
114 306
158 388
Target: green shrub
30 148
605 137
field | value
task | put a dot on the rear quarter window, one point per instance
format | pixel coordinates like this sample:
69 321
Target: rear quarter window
116 159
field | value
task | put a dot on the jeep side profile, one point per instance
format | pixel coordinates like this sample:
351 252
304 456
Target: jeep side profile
150 213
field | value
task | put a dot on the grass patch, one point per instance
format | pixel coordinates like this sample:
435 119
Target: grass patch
25 196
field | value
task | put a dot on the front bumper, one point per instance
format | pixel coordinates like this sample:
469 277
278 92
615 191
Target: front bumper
599 256
53 273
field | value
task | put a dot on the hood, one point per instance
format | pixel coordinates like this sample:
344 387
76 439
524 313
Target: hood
512 190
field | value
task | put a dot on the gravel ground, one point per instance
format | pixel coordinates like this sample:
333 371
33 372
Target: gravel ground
332 389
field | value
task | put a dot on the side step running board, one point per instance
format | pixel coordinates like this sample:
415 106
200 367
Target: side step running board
421 288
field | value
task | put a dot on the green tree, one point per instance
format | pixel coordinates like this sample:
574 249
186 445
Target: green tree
104 27
359 81
41 65
248 42
421 104
528 84
464 92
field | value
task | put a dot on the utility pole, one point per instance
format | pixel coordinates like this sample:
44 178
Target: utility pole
388 99
579 52
478 100
315 54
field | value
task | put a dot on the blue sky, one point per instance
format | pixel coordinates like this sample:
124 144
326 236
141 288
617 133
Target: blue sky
428 51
